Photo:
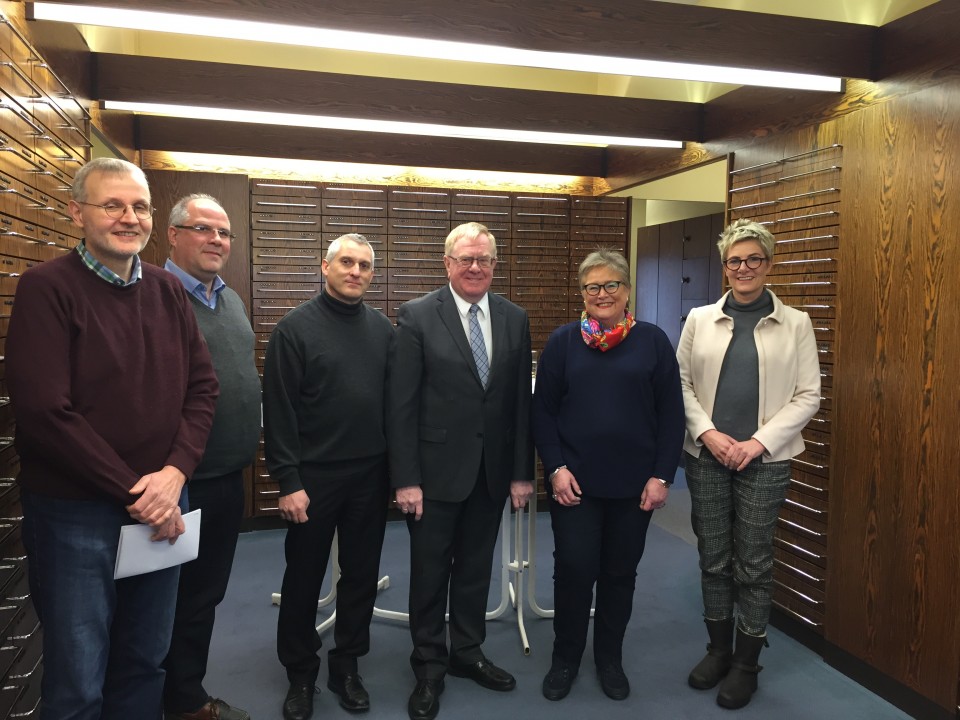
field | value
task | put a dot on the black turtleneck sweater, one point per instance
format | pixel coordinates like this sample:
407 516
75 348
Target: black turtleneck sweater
323 391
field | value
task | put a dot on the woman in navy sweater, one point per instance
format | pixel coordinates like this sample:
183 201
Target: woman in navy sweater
608 423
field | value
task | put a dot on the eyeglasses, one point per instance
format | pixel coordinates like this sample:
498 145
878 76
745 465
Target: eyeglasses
611 287
222 233
466 261
118 210
752 262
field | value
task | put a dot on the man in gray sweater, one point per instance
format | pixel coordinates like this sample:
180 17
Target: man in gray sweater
200 238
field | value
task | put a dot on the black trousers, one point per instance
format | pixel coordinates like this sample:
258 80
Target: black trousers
451 546
355 506
598 542
203 583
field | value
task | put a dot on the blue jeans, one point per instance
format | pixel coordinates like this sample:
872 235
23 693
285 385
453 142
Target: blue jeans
103 639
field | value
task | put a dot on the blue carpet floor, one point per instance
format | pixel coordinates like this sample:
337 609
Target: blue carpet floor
665 639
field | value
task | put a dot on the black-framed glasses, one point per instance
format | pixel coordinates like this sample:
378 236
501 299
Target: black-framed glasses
467 261
222 233
118 210
752 262
611 287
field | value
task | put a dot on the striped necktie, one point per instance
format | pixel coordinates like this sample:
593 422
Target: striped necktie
478 347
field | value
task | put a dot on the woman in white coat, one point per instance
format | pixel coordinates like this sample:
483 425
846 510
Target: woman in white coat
751 382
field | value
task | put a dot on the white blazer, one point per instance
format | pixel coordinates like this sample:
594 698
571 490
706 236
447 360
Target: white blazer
789 375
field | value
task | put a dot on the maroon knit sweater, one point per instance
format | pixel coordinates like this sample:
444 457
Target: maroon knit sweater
107 383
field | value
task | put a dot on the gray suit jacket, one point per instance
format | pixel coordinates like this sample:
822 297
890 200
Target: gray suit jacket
440 420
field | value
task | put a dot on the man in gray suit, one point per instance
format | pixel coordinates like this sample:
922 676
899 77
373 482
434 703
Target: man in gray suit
458 405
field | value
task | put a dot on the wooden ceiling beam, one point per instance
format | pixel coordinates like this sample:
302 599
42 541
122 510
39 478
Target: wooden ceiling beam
187 82
227 138
620 28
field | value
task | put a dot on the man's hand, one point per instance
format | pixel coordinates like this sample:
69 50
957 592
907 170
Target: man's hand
410 501
171 529
293 507
160 496
520 492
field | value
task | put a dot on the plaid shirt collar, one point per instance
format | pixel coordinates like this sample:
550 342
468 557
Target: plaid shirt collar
102 271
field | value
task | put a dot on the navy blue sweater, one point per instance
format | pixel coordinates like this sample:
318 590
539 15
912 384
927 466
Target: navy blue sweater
614 418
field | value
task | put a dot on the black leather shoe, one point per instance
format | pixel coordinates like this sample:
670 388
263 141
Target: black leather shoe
212 709
614 681
298 704
557 683
424 701
351 692
485 673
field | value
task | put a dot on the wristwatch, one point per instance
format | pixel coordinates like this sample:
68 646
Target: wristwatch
665 483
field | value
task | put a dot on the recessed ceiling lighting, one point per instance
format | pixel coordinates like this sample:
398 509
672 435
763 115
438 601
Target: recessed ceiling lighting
383 126
422 47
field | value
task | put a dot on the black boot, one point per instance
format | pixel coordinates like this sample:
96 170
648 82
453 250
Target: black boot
716 663
741 682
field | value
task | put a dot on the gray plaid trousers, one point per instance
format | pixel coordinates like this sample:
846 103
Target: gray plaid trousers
734 515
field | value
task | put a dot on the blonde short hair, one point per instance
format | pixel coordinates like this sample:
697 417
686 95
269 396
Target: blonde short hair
743 229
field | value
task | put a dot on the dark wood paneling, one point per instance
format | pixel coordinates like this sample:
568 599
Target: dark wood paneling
208 136
185 82
618 28
892 592
233 192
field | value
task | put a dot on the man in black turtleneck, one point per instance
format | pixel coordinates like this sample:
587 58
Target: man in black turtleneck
323 399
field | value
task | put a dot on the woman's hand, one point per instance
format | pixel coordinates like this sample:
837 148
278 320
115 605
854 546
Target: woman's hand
718 444
565 488
740 454
654 495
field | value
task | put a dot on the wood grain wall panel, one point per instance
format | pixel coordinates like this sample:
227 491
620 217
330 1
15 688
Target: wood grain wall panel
210 136
893 593
620 28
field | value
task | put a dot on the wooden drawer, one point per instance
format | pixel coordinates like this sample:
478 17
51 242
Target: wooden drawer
432 277
419 226
415 258
286 222
343 224
539 246
285 204
415 243
401 292
286 256
614 217
823 239
543 307
271 289
272 238
287 273
293 188
277 306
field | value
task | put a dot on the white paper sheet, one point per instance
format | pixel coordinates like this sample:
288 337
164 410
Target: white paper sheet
138 554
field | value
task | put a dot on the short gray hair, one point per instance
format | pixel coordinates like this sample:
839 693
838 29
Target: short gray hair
352 237
179 213
107 166
743 229
469 231
605 258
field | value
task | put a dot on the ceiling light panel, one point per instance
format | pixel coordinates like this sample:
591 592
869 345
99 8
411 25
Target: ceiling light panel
422 47
382 126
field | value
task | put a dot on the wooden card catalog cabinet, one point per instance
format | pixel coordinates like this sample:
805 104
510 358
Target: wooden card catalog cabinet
44 135
798 200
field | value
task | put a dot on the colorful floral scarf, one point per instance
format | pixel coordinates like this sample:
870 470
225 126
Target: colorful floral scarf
596 337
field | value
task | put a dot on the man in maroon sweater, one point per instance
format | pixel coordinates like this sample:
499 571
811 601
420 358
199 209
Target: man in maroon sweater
114 393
